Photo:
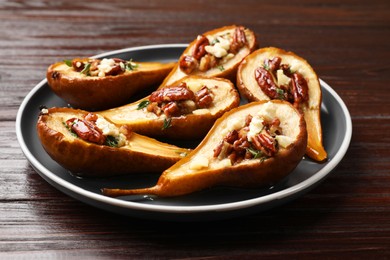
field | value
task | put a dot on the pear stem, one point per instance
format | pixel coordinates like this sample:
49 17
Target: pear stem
126 192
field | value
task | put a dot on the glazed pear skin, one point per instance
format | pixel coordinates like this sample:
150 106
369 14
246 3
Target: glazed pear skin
139 154
311 108
96 93
190 126
226 68
202 170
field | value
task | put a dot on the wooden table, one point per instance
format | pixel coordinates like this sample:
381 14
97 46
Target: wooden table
348 215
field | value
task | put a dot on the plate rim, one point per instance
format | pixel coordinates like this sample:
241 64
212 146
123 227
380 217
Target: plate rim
230 206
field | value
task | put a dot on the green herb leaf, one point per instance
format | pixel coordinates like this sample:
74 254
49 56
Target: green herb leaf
221 68
68 63
130 65
111 141
85 71
256 153
265 66
214 41
70 130
143 104
280 93
167 123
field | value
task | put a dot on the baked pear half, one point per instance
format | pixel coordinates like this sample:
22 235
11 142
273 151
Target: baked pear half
87 144
254 145
186 109
216 53
96 84
272 73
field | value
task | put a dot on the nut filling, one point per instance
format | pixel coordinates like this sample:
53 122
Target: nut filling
210 52
277 81
178 100
257 139
95 129
101 68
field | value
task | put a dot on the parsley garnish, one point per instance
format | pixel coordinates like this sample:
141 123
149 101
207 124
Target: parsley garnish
221 68
70 130
256 153
68 62
265 66
167 123
143 104
111 141
130 65
280 93
214 41
85 71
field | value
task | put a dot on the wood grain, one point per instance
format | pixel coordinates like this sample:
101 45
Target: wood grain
348 215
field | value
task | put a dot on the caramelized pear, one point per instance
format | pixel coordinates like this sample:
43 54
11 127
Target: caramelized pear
272 73
86 144
95 84
216 53
254 145
186 109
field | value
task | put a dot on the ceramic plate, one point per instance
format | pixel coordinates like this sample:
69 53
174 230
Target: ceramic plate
211 204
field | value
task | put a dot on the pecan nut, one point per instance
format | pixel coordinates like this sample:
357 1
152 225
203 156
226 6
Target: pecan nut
266 83
203 97
300 89
188 64
199 49
176 93
265 143
239 40
86 130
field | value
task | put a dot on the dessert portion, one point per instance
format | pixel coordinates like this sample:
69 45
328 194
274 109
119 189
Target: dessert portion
254 145
87 144
216 53
272 73
185 109
96 84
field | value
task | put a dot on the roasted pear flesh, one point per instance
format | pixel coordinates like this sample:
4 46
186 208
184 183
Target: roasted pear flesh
272 73
186 109
87 144
216 53
254 145
96 84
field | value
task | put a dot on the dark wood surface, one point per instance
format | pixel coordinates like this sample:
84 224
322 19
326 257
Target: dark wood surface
348 215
